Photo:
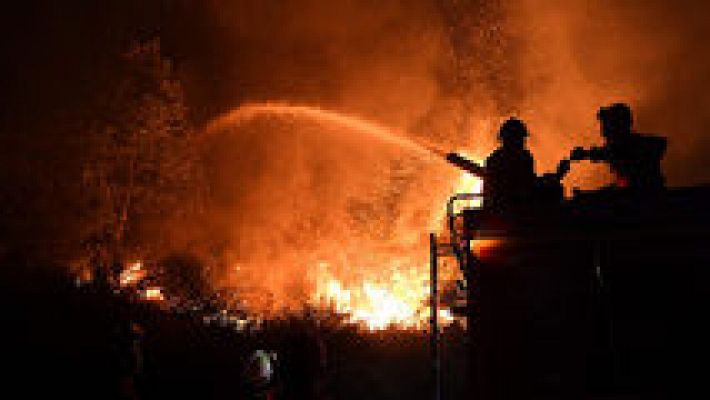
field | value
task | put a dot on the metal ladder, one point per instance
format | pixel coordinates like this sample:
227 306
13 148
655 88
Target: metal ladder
458 247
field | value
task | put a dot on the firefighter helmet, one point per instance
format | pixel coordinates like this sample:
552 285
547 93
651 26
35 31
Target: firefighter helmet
617 113
513 128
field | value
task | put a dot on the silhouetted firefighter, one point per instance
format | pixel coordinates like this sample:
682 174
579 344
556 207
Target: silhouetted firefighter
510 170
509 175
634 158
510 183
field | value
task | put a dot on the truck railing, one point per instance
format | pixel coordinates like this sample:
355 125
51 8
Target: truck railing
459 241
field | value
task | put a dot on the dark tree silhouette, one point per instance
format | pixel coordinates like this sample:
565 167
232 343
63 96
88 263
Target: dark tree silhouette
142 171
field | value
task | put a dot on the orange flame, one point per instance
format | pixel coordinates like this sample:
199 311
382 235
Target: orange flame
397 296
398 299
152 294
132 274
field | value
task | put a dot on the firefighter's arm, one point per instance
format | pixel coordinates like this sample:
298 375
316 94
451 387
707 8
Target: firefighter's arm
660 144
592 154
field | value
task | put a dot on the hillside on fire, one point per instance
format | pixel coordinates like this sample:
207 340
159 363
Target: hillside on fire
354 199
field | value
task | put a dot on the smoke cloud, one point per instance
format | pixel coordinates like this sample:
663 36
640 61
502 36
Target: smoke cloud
578 55
451 71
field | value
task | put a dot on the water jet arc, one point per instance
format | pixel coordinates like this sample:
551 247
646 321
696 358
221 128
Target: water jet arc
250 111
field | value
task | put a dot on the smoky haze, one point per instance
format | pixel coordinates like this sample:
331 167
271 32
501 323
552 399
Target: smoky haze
552 63
444 72
578 55
378 59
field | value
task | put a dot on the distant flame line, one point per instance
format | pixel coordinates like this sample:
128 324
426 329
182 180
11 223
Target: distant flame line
249 111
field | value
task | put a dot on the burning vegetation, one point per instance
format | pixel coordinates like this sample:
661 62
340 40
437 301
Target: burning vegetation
282 207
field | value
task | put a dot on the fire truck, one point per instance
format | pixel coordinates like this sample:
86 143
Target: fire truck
600 296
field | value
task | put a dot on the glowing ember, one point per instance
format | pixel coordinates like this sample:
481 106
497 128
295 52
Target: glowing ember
132 274
152 294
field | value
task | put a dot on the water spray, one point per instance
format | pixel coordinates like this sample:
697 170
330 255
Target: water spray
249 111
368 302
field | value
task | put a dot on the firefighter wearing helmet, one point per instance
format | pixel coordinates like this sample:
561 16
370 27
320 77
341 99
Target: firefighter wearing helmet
259 375
634 158
511 186
510 172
